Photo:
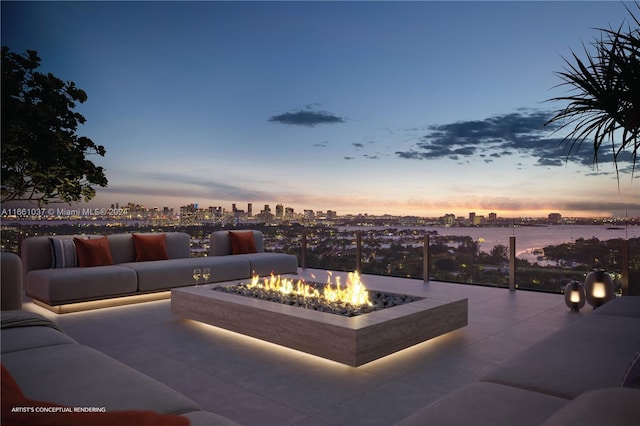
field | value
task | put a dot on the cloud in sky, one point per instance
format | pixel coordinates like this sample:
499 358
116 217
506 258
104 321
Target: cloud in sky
521 132
307 118
183 185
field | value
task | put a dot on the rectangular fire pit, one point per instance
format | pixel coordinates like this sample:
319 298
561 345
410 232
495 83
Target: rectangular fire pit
349 340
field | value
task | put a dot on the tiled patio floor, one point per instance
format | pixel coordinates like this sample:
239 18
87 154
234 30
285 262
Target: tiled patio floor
258 383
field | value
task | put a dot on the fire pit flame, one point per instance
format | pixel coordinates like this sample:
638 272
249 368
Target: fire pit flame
354 293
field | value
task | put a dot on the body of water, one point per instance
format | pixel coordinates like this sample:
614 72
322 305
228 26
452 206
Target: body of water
528 238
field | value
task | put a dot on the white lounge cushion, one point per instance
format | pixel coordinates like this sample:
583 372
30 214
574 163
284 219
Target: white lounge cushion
628 306
487 404
589 354
609 406
80 376
67 285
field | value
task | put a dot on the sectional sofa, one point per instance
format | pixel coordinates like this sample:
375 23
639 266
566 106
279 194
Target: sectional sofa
586 374
49 378
60 270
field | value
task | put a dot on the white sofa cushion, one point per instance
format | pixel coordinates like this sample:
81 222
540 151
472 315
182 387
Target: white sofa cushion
77 375
67 285
487 404
628 306
570 361
609 406
48 365
23 330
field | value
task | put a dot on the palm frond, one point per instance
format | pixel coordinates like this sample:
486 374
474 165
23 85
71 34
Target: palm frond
603 103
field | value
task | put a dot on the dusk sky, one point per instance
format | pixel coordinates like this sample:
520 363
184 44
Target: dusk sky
405 108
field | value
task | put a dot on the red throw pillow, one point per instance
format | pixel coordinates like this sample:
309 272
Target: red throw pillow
150 247
93 252
242 242
17 409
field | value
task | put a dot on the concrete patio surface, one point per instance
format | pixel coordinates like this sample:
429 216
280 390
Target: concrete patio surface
259 383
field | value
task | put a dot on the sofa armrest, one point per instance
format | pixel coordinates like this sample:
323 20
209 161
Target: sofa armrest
11 281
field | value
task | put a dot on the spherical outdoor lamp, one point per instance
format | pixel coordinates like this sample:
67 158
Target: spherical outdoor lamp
598 287
574 295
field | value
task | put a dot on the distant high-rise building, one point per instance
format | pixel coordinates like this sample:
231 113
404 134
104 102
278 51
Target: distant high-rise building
265 216
191 208
250 210
189 212
478 220
555 218
279 210
449 219
493 217
332 215
472 217
288 213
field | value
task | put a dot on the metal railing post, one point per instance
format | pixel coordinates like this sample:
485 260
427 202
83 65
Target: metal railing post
512 263
359 252
303 250
624 266
426 260
20 239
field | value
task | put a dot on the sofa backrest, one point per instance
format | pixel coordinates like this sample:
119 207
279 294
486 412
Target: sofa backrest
220 245
36 251
123 250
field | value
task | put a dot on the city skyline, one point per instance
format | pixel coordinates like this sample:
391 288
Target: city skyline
138 211
400 108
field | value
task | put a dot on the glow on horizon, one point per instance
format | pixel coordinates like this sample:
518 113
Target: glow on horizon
402 108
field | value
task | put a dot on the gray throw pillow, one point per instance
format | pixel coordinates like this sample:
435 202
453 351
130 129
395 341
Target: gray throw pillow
63 253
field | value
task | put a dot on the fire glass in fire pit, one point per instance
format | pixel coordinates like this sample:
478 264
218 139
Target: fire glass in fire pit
348 300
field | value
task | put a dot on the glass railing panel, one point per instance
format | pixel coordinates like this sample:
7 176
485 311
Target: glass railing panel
634 266
469 259
330 248
550 257
393 252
